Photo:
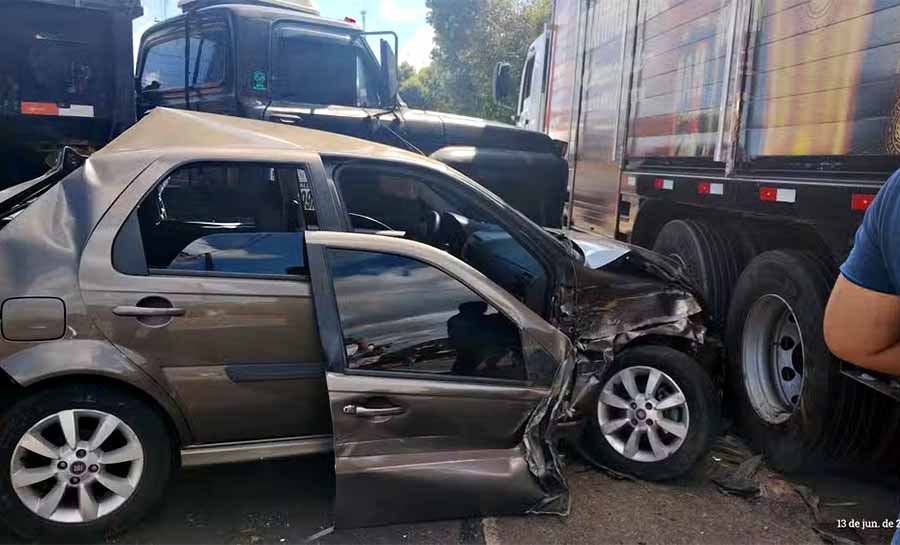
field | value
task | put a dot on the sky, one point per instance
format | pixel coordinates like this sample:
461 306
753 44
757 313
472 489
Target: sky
405 17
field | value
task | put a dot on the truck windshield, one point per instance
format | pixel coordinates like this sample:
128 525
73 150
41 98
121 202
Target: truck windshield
319 68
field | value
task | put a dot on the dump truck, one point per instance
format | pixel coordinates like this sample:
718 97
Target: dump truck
744 138
66 79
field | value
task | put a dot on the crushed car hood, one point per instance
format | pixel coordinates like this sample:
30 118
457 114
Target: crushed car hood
623 292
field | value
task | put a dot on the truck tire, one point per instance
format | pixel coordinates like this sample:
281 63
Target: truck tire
80 462
631 433
782 382
707 258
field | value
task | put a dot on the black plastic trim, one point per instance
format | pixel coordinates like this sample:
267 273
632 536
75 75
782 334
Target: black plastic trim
260 372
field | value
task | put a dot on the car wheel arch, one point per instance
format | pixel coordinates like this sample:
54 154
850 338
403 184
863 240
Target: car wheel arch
29 372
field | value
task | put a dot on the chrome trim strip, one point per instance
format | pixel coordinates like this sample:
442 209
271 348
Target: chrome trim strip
247 451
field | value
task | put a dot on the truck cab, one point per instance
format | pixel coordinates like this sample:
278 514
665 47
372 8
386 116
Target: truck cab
283 62
532 101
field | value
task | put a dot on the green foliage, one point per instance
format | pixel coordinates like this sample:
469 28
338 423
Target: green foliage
471 36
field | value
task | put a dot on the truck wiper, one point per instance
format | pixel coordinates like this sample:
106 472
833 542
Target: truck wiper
376 119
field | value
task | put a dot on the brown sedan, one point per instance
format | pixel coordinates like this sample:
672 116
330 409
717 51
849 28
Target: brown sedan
208 289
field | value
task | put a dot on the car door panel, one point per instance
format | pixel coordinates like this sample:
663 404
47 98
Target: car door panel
411 447
227 322
483 416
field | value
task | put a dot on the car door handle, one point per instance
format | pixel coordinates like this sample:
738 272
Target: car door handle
288 118
147 312
366 411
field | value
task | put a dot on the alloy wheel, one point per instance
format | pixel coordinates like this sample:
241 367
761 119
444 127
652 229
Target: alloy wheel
643 414
76 466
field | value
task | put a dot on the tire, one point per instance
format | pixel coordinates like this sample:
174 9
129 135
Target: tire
702 417
90 404
708 259
780 296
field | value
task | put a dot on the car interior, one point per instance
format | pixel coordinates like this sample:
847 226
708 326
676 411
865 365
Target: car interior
225 218
404 204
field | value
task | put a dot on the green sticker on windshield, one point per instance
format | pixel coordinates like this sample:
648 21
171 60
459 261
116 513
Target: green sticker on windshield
259 80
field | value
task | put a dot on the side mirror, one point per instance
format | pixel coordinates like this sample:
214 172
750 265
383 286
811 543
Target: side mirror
389 72
503 82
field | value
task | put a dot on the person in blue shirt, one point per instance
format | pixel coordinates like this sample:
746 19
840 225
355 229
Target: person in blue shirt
862 320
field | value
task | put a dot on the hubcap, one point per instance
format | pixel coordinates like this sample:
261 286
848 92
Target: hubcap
76 466
643 414
772 358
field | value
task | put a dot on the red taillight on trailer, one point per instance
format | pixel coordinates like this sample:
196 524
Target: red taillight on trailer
662 183
861 201
777 194
768 194
703 188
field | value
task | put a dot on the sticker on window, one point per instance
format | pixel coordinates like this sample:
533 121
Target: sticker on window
259 80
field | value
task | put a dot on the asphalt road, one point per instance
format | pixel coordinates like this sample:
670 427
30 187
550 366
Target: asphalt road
289 501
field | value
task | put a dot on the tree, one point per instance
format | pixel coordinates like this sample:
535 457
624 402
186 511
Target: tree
421 89
471 36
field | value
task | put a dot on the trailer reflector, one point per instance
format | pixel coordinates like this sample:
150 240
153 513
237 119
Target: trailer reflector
662 183
39 108
774 194
49 108
710 188
861 201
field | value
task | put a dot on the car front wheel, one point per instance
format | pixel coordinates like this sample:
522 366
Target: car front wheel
80 462
656 414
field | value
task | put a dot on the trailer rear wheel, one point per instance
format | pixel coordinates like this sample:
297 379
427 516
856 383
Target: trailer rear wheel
707 258
783 383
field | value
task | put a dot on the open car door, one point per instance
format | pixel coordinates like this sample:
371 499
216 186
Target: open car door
444 389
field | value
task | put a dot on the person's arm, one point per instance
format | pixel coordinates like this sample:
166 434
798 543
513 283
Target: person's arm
862 321
862 326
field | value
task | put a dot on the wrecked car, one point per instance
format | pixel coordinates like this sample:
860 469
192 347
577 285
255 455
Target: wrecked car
210 289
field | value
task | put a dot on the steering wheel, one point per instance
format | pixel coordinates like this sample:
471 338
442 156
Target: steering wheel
428 227
367 222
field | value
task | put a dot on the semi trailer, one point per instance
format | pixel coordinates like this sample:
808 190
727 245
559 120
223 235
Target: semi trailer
745 139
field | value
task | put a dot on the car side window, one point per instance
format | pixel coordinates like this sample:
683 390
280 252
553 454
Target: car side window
401 315
164 61
226 219
406 202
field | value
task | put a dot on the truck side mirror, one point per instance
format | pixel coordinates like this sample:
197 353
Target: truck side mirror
503 82
389 72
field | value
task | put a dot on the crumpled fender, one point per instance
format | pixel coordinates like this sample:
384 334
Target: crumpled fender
639 294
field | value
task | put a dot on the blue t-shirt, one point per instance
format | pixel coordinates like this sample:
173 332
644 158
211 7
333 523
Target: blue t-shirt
874 262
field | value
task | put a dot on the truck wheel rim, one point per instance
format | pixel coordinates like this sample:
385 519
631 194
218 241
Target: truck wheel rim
772 359
643 414
76 466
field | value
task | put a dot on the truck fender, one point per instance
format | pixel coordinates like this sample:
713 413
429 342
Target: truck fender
541 178
86 358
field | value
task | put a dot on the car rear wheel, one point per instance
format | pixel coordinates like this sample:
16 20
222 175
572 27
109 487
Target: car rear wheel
656 413
80 462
